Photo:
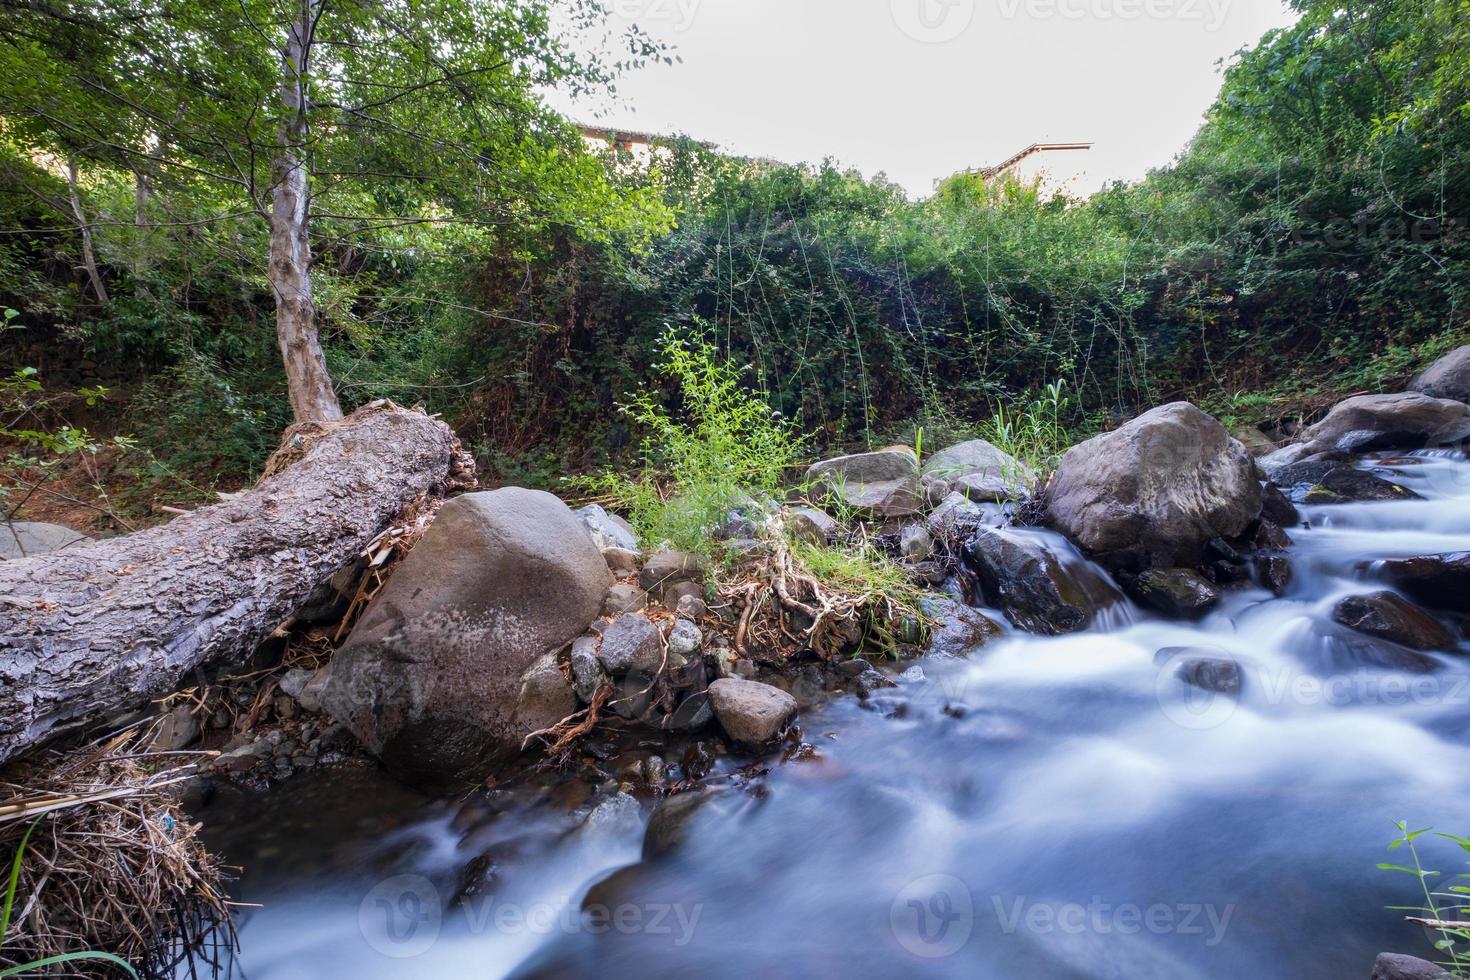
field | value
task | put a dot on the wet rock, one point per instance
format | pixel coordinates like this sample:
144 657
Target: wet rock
1306 471
1277 508
429 678
1038 592
883 483
813 526
1438 581
670 825
956 629
1274 572
617 816
1176 592
546 696
665 571
476 878
624 597
1448 377
631 643
751 713
587 672
1393 966
23 539
1390 617
692 714
1269 536
1346 484
607 530
1206 668
684 638
1408 420
1156 490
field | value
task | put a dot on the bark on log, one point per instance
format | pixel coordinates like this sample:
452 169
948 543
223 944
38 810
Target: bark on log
95 630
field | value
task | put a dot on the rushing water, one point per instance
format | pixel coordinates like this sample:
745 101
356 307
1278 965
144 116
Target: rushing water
1051 807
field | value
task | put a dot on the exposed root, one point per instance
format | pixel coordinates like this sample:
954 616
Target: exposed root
786 609
111 864
571 728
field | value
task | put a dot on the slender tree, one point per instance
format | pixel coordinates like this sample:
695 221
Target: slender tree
324 119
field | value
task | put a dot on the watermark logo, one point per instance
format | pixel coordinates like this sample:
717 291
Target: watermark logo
1197 693
933 21
1209 13
1101 918
400 916
933 916
679 14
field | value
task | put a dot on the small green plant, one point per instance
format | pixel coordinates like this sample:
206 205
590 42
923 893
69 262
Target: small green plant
725 447
1035 434
877 590
1443 910
9 906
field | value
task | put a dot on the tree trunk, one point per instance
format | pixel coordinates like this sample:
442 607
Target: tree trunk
310 386
95 630
89 258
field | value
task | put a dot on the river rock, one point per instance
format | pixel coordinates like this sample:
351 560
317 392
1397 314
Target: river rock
670 825
915 543
1156 490
750 712
1448 377
1437 581
623 597
21 539
684 638
608 530
1207 668
587 672
546 696
1038 591
667 573
428 679
1254 440
979 471
1391 617
883 483
813 526
1408 420
1291 468
621 561
631 643
956 629
1277 508
1394 966
1176 592
1346 484
955 513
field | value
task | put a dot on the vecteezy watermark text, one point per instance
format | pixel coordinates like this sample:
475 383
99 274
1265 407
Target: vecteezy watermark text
403 916
1210 13
679 13
1098 917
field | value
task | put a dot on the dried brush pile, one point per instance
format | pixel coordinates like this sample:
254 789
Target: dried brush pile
109 863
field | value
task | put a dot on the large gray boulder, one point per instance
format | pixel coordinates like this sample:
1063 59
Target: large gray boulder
1407 420
980 471
1448 377
430 678
750 712
1153 492
884 483
21 539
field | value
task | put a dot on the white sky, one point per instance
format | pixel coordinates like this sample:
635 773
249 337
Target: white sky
919 89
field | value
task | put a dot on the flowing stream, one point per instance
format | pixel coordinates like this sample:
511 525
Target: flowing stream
1050 807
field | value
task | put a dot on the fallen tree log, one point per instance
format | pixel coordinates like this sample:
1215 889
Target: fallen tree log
93 631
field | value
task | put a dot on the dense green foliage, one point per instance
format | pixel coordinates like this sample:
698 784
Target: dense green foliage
1311 240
